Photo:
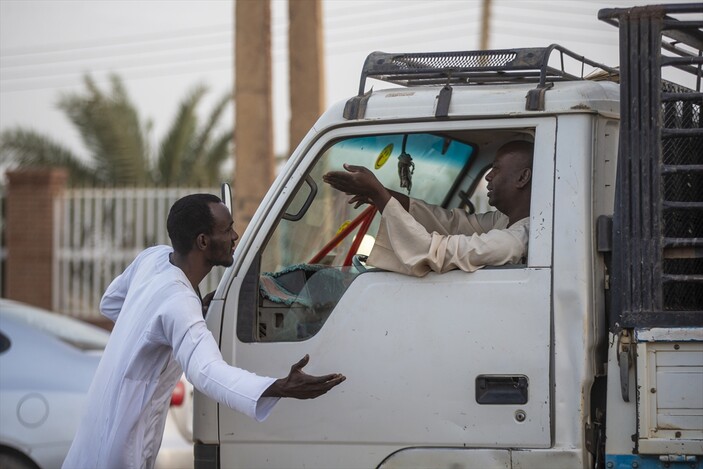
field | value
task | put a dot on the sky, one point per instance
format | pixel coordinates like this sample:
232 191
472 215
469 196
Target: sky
164 48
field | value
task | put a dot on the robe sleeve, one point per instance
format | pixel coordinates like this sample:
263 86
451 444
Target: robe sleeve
404 245
114 297
454 221
195 349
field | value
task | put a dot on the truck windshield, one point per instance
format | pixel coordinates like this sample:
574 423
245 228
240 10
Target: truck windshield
435 164
306 266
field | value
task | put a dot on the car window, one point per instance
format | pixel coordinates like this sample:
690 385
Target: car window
437 162
309 262
71 331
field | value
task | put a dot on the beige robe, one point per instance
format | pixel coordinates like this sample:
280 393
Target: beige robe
432 238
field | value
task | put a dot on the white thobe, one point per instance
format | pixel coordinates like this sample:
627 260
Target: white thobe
159 333
432 238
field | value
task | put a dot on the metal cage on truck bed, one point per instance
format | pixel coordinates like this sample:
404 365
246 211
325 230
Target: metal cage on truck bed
657 270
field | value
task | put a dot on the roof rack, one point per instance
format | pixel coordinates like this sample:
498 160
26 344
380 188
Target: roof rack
503 66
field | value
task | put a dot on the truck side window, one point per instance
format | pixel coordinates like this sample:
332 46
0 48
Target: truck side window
307 263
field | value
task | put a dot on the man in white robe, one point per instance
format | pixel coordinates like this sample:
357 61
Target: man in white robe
415 238
160 333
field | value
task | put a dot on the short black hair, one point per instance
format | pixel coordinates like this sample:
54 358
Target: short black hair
189 217
522 148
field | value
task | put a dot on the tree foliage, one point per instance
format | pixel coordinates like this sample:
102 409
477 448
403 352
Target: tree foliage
118 141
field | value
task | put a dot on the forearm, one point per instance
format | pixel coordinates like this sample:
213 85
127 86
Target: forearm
454 221
404 245
380 198
402 198
276 389
199 356
238 389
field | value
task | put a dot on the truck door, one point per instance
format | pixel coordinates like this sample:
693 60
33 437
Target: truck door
454 361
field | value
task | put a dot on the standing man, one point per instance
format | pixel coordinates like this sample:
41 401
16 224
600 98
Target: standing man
415 237
159 333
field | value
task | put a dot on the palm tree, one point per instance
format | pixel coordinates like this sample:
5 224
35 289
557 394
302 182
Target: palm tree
191 155
118 141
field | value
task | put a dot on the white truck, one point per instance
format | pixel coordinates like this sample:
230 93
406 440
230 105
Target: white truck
590 354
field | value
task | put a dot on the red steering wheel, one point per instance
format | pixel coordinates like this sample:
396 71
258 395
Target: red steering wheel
364 219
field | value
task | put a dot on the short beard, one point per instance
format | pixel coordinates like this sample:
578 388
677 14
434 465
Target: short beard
221 261
226 263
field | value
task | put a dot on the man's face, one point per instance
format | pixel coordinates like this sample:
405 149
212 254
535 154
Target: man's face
222 239
503 180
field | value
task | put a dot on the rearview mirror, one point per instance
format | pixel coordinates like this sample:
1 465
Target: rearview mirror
226 196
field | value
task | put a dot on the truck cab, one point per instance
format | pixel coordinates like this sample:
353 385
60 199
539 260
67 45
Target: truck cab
509 366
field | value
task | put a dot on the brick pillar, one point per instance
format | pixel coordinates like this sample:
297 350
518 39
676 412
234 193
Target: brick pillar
29 275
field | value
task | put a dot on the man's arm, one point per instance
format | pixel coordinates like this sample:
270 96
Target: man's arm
456 220
113 298
116 293
404 245
197 352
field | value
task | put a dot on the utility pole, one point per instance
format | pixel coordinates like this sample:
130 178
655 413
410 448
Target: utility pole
253 134
306 80
485 25
306 67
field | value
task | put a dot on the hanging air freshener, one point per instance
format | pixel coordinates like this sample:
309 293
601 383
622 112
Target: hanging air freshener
406 167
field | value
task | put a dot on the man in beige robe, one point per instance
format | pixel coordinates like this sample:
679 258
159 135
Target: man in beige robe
415 237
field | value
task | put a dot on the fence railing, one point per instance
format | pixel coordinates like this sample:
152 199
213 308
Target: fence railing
99 232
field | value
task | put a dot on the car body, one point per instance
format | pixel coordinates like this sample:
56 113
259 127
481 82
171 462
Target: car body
177 443
47 362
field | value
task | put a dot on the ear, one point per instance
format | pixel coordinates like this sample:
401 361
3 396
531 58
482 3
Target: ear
201 241
525 178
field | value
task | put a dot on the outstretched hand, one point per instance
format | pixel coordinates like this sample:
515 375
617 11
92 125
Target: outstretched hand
360 183
300 385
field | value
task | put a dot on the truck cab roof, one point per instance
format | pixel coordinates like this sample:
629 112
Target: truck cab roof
481 101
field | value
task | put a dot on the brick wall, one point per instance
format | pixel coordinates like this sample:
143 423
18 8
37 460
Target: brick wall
29 234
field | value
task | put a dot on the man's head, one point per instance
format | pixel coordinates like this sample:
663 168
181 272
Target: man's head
510 179
202 222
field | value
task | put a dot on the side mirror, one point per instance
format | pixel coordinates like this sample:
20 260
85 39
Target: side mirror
226 196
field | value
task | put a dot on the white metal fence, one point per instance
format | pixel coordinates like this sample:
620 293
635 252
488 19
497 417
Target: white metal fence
99 232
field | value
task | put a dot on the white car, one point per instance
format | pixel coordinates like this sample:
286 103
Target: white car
177 444
47 362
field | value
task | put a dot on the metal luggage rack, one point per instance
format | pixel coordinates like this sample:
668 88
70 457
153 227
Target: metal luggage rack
502 66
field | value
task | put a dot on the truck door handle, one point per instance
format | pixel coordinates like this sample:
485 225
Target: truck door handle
501 389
